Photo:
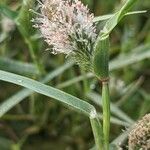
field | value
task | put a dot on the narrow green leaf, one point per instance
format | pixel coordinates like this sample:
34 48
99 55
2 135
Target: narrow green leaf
58 71
98 133
106 17
115 19
19 96
13 100
133 87
10 65
56 94
126 7
74 80
140 53
102 18
136 12
69 100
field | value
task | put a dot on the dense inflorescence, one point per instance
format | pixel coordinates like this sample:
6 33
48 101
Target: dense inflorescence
67 27
139 137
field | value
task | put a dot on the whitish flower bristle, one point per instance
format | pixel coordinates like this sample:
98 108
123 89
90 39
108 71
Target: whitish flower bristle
67 27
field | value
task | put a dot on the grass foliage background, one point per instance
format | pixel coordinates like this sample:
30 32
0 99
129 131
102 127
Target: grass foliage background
39 122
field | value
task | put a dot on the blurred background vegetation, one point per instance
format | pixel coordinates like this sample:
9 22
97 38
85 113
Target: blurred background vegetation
39 124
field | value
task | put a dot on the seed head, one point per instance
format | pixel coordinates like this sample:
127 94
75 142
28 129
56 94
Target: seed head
67 27
139 137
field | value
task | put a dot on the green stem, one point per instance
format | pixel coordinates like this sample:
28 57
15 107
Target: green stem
98 132
106 113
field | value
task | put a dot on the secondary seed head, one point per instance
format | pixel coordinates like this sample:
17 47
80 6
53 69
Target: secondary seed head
139 137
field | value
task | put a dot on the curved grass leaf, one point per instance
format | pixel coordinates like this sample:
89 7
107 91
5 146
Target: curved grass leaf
56 94
102 18
19 96
141 53
115 19
69 100
13 100
106 17
7 64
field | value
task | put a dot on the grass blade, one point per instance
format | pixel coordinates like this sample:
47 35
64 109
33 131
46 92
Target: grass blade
115 19
13 100
106 17
141 53
10 65
40 88
19 96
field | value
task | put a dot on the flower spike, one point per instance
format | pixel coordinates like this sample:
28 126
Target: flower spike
67 27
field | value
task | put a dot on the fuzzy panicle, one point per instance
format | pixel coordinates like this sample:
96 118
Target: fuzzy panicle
139 137
67 27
